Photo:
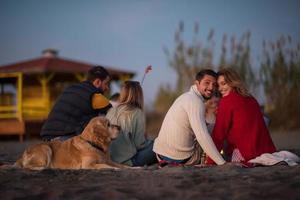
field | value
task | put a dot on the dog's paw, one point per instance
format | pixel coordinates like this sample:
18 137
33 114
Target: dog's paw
136 168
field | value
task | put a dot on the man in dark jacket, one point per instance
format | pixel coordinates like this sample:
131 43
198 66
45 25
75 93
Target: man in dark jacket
77 105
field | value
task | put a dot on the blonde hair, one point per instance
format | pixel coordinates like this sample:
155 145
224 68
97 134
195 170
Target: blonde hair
131 95
233 79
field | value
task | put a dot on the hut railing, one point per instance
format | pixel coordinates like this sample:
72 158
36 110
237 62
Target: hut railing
9 112
35 108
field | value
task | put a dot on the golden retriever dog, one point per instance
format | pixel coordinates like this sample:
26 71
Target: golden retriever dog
88 150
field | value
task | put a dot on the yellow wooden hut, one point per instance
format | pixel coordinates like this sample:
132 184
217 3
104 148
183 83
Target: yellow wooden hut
28 89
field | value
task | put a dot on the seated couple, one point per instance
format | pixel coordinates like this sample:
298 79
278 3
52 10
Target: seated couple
239 122
79 103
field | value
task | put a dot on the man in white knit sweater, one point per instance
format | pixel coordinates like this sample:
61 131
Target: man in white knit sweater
185 122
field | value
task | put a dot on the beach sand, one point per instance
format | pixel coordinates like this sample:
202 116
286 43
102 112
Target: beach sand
218 182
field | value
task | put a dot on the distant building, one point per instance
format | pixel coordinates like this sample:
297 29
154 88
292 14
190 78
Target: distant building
29 88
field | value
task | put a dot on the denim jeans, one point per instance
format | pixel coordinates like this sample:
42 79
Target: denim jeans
144 156
170 160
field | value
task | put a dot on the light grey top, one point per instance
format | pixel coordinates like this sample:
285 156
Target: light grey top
132 135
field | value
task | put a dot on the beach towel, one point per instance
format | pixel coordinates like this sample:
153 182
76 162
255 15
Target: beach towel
269 159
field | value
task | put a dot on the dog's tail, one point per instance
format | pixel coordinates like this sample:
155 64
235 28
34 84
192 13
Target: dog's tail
18 163
10 166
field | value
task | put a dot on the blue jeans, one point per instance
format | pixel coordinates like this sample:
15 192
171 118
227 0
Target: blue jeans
144 156
171 160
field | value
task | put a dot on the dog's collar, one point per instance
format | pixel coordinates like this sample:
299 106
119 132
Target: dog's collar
93 144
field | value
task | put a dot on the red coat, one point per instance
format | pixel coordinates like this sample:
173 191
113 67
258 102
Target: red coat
240 121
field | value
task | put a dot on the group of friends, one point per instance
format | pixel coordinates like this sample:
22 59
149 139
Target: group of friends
216 122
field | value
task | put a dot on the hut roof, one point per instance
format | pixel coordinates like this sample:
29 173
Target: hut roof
56 64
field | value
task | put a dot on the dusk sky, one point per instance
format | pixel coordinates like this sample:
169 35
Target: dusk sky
131 34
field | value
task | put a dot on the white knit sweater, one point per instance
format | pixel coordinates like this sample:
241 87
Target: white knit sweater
184 122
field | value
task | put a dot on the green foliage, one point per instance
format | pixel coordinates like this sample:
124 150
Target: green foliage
165 98
280 75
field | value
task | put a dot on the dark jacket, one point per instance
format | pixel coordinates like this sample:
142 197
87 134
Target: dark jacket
72 111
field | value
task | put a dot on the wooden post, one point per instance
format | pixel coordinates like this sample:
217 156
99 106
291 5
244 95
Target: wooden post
19 93
21 138
19 97
44 80
2 89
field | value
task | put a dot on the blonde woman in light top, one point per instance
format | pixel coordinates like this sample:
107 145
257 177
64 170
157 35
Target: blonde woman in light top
131 147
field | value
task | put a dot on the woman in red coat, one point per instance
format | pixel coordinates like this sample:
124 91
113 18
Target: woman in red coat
239 121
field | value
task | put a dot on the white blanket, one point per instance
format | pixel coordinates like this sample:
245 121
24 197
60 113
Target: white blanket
272 159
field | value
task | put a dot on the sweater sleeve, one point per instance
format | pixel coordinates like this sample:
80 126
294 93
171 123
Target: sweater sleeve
100 103
221 129
222 125
195 111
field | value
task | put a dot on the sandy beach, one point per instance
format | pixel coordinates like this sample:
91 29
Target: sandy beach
219 182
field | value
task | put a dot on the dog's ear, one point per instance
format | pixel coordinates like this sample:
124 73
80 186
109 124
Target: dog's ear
104 121
87 130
